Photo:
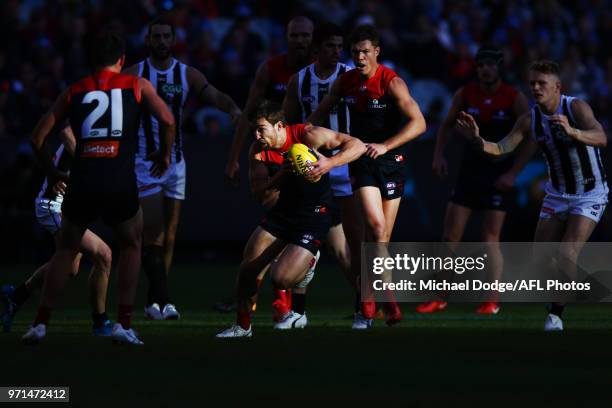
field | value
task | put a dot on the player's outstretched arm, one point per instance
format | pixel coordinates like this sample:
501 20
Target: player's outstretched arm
331 99
291 104
350 148
167 126
207 93
256 95
439 165
589 131
468 127
55 116
410 109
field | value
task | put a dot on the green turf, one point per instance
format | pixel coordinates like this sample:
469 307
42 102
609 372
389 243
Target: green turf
454 358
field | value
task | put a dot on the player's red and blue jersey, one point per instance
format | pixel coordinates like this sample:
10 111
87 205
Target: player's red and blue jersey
494 113
104 114
279 73
374 114
297 196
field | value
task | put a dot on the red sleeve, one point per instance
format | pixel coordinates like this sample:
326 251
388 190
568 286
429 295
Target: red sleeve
137 90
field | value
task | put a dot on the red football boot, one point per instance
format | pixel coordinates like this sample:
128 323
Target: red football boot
488 308
392 312
431 307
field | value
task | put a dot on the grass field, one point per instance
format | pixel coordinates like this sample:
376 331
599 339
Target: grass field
453 358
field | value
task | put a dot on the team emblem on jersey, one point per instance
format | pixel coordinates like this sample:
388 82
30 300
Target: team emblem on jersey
169 92
399 158
375 104
320 209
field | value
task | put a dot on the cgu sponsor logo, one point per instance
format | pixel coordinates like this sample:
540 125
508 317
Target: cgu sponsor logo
100 149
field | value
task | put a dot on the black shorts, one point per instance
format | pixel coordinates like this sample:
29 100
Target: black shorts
479 196
306 232
336 215
385 173
83 207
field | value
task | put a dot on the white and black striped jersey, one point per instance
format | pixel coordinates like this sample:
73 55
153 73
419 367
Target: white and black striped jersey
312 90
173 88
573 167
62 160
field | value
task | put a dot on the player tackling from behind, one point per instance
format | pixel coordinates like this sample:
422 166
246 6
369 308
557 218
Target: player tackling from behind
103 110
577 192
290 235
379 105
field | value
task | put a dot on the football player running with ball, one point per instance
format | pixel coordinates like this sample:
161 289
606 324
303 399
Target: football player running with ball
291 234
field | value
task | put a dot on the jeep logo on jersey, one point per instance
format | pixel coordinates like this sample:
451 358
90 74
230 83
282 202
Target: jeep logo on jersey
100 149
169 91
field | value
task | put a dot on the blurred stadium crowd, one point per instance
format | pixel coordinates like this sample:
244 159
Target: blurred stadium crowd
431 43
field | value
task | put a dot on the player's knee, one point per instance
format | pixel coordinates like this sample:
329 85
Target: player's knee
378 231
281 280
568 251
103 258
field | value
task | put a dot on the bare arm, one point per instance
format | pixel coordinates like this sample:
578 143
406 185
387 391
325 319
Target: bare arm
589 131
350 148
439 164
56 115
291 104
264 189
167 127
409 108
68 139
467 125
207 93
331 99
447 126
256 94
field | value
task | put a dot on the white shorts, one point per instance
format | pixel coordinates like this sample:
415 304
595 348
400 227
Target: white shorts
171 184
49 213
340 181
562 205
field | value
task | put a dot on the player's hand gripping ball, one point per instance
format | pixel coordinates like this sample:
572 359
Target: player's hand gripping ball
302 157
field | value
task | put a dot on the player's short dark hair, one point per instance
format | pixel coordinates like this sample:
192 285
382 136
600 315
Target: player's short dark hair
490 53
270 111
546 67
107 48
160 21
325 31
363 33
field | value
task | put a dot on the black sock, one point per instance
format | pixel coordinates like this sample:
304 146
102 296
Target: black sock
153 264
20 295
99 319
357 302
298 302
556 309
